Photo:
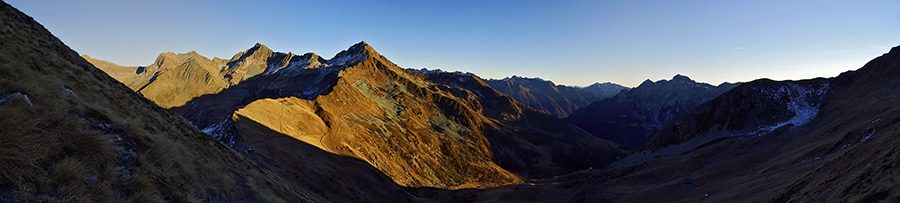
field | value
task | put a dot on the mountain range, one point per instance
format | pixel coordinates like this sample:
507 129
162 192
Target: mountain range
816 140
634 115
544 95
173 79
421 130
279 127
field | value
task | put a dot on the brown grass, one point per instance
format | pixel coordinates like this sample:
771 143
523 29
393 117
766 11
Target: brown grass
68 171
66 147
19 147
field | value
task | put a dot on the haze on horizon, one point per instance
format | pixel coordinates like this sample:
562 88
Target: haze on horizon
571 42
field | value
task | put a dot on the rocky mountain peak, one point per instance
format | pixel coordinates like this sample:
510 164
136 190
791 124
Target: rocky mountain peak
646 82
258 52
355 54
193 53
681 78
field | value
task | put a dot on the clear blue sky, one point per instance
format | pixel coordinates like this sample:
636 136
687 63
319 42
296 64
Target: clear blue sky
568 42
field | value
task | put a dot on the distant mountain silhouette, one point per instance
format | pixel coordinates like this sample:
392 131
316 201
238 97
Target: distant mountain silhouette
633 116
543 95
604 90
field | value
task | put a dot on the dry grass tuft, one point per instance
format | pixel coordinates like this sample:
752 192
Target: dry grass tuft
68 143
141 189
69 171
20 146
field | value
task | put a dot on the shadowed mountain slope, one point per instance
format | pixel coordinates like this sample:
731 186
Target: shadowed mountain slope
70 133
524 139
818 140
634 115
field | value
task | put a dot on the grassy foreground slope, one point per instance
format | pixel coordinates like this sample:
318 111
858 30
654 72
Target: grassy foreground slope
71 133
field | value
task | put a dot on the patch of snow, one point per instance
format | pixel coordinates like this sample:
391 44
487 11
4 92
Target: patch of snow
803 101
67 90
347 58
868 136
294 67
425 70
217 130
14 95
436 71
270 68
803 113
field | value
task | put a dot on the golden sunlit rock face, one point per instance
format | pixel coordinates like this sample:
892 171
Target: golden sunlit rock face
379 113
290 116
